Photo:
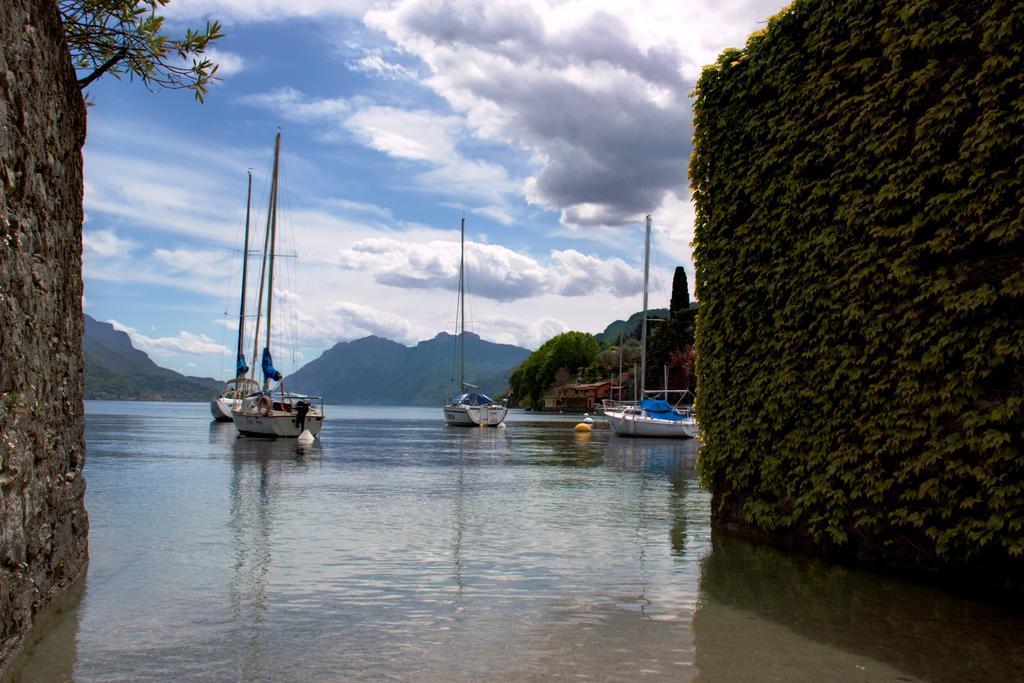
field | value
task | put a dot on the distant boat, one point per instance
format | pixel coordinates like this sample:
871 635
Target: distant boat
240 386
652 415
469 408
272 411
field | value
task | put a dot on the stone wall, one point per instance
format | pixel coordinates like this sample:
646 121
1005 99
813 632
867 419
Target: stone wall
43 523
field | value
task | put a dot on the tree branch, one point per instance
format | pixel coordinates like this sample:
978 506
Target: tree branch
103 68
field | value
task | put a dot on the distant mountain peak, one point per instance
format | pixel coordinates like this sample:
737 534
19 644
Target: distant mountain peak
442 336
115 369
628 327
376 371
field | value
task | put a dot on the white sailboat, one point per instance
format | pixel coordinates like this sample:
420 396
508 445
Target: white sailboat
651 415
469 408
239 386
273 411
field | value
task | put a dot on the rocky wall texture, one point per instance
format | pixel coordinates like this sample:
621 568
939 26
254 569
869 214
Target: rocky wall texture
43 523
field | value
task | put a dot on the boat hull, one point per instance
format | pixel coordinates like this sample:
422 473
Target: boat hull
631 424
487 416
457 416
475 416
277 424
221 408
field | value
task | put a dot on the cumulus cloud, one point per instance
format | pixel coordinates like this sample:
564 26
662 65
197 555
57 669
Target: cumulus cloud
579 274
493 271
185 344
605 118
337 321
228 63
597 91
349 320
527 333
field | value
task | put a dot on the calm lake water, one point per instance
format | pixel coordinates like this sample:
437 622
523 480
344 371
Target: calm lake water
397 548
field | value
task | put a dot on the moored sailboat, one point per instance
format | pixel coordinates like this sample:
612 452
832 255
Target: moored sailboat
650 415
469 408
240 385
273 411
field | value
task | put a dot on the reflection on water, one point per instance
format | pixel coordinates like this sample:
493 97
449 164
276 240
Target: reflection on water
396 547
853 621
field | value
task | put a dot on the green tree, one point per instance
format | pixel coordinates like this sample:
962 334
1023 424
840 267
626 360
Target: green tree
680 292
126 38
568 351
670 343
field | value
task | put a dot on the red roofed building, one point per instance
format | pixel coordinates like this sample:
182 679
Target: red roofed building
578 396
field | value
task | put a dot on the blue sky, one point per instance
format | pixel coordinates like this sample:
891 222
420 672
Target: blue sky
552 127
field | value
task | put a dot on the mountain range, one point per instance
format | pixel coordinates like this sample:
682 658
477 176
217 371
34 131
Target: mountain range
369 371
378 371
629 327
114 369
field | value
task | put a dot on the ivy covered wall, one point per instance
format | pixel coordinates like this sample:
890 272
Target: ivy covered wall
858 174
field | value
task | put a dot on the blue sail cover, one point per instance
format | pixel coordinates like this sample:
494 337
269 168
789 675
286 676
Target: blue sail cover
471 398
269 372
240 366
660 409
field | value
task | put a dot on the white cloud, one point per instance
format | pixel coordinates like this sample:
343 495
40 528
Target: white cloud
206 271
205 264
105 243
362 208
185 344
293 105
596 91
417 135
425 138
129 184
340 320
349 320
529 333
579 274
493 271
380 67
496 213
228 63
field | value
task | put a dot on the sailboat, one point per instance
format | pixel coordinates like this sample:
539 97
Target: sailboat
469 408
651 415
272 411
240 386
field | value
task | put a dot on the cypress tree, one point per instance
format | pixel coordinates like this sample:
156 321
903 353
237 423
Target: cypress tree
680 292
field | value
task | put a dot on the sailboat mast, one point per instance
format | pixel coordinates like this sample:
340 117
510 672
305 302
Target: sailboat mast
643 334
462 304
259 301
619 380
273 235
263 268
245 269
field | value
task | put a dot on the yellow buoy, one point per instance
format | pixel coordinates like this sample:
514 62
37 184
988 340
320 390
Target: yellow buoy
583 427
